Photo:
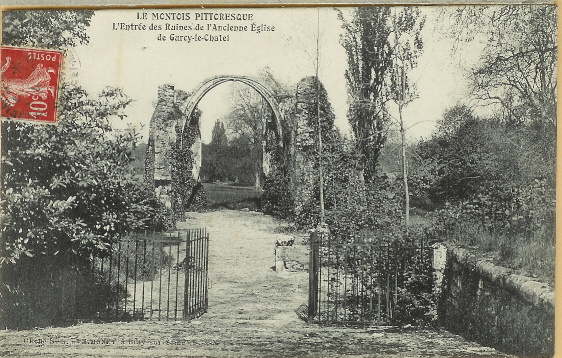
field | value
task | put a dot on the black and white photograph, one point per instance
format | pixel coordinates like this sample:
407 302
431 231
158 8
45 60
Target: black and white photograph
300 181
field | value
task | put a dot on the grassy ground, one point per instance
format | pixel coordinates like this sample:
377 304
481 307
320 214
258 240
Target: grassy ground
227 196
530 256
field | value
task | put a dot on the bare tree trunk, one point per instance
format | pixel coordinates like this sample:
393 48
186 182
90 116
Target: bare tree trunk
404 171
320 165
257 175
258 161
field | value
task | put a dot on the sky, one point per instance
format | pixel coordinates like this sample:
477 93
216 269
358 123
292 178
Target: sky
120 54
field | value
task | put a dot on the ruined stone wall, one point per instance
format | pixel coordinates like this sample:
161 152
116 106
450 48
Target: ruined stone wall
162 132
163 162
495 307
304 180
173 171
278 195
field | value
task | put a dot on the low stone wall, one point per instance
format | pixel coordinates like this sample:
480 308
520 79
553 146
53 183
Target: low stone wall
491 305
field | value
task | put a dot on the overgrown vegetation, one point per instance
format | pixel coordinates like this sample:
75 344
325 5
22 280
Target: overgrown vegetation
67 193
491 195
493 177
187 193
489 181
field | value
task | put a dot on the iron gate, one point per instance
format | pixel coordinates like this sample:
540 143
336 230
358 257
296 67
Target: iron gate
156 276
196 268
358 280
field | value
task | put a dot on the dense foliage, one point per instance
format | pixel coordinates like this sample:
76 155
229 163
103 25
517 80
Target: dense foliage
50 29
187 193
369 57
494 185
277 198
67 191
228 159
492 177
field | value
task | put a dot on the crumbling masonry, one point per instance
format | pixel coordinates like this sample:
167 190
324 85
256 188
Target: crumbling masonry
173 157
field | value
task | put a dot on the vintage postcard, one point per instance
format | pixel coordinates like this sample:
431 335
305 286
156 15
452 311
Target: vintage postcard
312 181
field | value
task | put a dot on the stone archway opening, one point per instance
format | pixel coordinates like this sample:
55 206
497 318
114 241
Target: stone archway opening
174 153
271 124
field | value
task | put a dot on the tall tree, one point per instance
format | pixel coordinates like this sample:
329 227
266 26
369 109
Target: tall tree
216 157
252 114
218 136
517 70
369 56
518 67
248 119
407 46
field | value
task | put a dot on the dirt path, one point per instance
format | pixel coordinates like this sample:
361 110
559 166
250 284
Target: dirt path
251 313
242 283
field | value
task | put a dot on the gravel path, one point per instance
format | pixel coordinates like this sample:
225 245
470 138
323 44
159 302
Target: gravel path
251 313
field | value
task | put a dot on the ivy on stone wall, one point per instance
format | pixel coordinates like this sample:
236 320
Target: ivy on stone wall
277 198
186 191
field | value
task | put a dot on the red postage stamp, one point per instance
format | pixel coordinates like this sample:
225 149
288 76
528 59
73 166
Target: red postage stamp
30 82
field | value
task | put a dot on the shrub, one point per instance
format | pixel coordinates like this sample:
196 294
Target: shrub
277 198
517 224
67 195
149 260
48 293
416 300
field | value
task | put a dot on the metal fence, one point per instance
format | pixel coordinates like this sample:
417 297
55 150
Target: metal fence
361 280
196 266
155 276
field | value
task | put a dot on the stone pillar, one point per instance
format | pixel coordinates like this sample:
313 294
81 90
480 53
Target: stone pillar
163 129
439 261
197 151
303 145
281 258
161 141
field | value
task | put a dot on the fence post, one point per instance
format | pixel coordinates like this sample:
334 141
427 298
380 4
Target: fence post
313 276
187 285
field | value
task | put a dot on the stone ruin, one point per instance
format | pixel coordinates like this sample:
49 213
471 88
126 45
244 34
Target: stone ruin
173 157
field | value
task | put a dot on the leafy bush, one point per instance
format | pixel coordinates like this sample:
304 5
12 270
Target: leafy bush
493 182
367 267
375 208
277 198
360 213
149 259
66 187
416 300
39 293
66 190
516 223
